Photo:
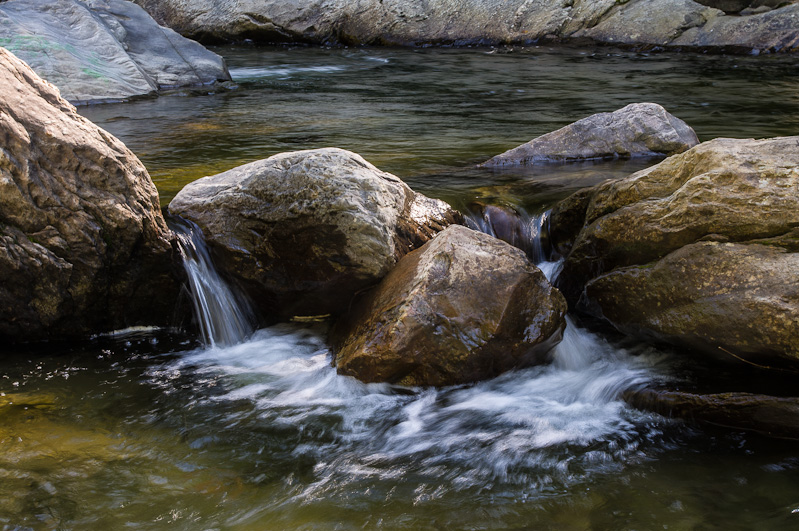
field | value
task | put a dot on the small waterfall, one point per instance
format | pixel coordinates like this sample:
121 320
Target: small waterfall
514 226
225 319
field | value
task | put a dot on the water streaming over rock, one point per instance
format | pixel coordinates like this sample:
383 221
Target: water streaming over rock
514 225
225 318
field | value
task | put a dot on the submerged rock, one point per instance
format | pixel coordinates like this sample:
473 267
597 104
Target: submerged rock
83 245
303 232
663 23
95 50
697 250
639 129
462 308
767 415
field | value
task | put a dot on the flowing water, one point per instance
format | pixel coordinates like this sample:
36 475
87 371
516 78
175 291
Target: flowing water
153 429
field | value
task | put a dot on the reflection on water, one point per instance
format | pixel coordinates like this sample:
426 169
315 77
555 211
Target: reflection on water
428 114
149 431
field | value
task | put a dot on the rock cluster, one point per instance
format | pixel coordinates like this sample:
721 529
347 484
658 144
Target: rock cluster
95 50
699 250
83 245
663 23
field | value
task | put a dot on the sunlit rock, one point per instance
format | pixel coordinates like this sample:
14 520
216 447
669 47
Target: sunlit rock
699 250
462 308
304 232
96 50
639 129
83 245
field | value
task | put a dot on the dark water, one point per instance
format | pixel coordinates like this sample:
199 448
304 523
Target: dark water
151 431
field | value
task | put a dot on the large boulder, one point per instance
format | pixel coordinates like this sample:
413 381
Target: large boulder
464 307
668 23
83 245
95 50
303 232
639 129
698 250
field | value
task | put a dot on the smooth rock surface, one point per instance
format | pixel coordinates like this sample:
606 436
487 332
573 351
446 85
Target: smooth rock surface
768 415
462 308
83 245
647 23
639 129
697 250
303 232
96 50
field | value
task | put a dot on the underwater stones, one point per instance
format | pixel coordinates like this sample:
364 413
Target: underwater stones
462 308
304 232
97 50
639 129
83 245
698 249
768 415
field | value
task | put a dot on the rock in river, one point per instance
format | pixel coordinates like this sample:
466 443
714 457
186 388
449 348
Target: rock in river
462 308
699 250
95 50
303 232
639 129
83 245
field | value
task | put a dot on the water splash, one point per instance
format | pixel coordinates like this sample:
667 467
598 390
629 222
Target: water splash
225 319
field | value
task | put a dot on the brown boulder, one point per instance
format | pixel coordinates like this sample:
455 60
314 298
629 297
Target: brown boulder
83 245
464 307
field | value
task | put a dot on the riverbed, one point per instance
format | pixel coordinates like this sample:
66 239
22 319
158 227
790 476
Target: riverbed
149 429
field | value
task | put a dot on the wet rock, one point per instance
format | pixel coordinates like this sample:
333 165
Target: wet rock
83 245
639 129
303 232
513 226
697 249
767 415
464 307
648 23
98 50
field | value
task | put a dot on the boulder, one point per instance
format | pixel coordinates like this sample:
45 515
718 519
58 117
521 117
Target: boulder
96 50
647 23
696 250
768 415
639 129
83 245
303 232
462 308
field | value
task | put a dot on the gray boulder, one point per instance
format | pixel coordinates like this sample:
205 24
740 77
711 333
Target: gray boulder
639 129
96 50
648 23
698 250
462 308
83 245
303 232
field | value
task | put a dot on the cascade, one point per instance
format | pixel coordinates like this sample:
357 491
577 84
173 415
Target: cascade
225 318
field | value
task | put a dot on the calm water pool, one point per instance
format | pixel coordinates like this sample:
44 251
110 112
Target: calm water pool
152 431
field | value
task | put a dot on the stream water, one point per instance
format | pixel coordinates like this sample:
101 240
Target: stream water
153 429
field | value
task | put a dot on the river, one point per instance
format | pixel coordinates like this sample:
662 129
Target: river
150 429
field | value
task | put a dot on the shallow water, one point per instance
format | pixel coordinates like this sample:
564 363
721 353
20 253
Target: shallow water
150 430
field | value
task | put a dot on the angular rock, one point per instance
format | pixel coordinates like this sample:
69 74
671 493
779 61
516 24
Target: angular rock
462 308
303 232
697 249
83 245
768 415
96 50
648 23
639 129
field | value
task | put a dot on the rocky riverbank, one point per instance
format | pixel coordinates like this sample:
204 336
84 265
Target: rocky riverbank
741 27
